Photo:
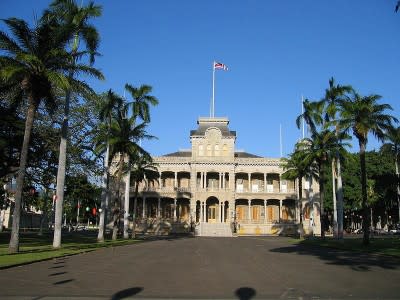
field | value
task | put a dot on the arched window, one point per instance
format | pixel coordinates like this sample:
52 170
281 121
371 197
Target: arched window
225 150
201 150
208 150
216 150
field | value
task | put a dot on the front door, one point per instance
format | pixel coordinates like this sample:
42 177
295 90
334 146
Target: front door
212 214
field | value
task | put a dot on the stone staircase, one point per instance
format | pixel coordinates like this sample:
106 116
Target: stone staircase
215 229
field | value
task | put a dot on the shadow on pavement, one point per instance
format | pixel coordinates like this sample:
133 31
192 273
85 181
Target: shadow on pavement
126 293
245 293
361 262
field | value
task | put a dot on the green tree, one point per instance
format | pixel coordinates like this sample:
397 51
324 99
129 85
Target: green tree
31 68
392 146
124 138
143 168
334 95
298 167
73 21
141 101
364 115
110 107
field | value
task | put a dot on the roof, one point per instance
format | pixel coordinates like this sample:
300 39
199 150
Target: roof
241 154
220 123
186 153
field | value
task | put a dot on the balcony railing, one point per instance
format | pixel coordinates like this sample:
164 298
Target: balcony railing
165 189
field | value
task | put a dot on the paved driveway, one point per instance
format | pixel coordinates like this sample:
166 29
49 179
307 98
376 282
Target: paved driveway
245 268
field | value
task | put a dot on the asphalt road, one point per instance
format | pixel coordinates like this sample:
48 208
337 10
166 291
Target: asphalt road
213 268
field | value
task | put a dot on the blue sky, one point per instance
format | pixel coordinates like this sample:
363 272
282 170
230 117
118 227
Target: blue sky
276 51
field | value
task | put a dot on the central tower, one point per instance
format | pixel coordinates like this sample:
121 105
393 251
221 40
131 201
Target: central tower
213 141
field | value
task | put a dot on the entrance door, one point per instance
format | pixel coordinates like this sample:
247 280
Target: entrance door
212 214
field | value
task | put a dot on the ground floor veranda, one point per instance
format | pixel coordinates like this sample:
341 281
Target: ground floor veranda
213 210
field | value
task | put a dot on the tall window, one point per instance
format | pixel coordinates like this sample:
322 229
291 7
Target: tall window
216 150
208 150
225 150
201 150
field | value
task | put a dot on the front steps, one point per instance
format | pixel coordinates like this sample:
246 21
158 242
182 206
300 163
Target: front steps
214 229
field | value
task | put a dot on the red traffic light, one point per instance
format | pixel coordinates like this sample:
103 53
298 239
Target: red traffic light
94 211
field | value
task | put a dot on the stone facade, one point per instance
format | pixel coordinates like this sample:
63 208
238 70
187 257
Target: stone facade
213 184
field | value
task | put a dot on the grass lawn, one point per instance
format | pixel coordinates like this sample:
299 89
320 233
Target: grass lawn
385 245
35 248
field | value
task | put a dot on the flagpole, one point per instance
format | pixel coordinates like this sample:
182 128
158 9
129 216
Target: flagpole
302 113
213 91
280 139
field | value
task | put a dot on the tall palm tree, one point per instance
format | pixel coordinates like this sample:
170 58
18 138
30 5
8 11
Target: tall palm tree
364 115
32 67
111 106
141 101
392 146
296 168
312 115
124 137
334 95
323 145
143 168
73 20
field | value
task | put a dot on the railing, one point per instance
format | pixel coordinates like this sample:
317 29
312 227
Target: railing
261 190
165 189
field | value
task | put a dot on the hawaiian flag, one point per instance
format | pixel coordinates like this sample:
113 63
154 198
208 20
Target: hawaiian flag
220 66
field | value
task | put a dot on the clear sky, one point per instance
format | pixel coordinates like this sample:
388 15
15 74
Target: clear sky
276 52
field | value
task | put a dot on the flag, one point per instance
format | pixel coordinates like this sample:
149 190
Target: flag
220 66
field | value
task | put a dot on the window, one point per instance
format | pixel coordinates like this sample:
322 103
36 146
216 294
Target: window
216 150
201 150
208 150
225 150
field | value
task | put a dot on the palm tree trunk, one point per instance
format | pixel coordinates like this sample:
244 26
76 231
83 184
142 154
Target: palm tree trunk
126 204
301 229
365 221
398 181
335 213
321 199
135 209
116 213
62 161
339 195
104 197
30 116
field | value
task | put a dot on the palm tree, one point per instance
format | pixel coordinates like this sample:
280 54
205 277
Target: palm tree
297 167
334 95
364 115
140 110
111 105
392 146
31 68
124 137
312 115
142 169
72 20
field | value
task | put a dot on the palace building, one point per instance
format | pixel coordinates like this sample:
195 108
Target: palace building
216 191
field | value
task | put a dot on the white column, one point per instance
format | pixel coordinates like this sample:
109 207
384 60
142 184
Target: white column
223 180
205 180
159 208
223 212
175 209
160 180
219 181
201 180
144 208
265 211
175 180
249 176
280 210
249 212
265 182
201 212
204 211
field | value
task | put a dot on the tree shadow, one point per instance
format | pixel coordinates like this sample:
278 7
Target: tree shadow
245 293
126 293
361 262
